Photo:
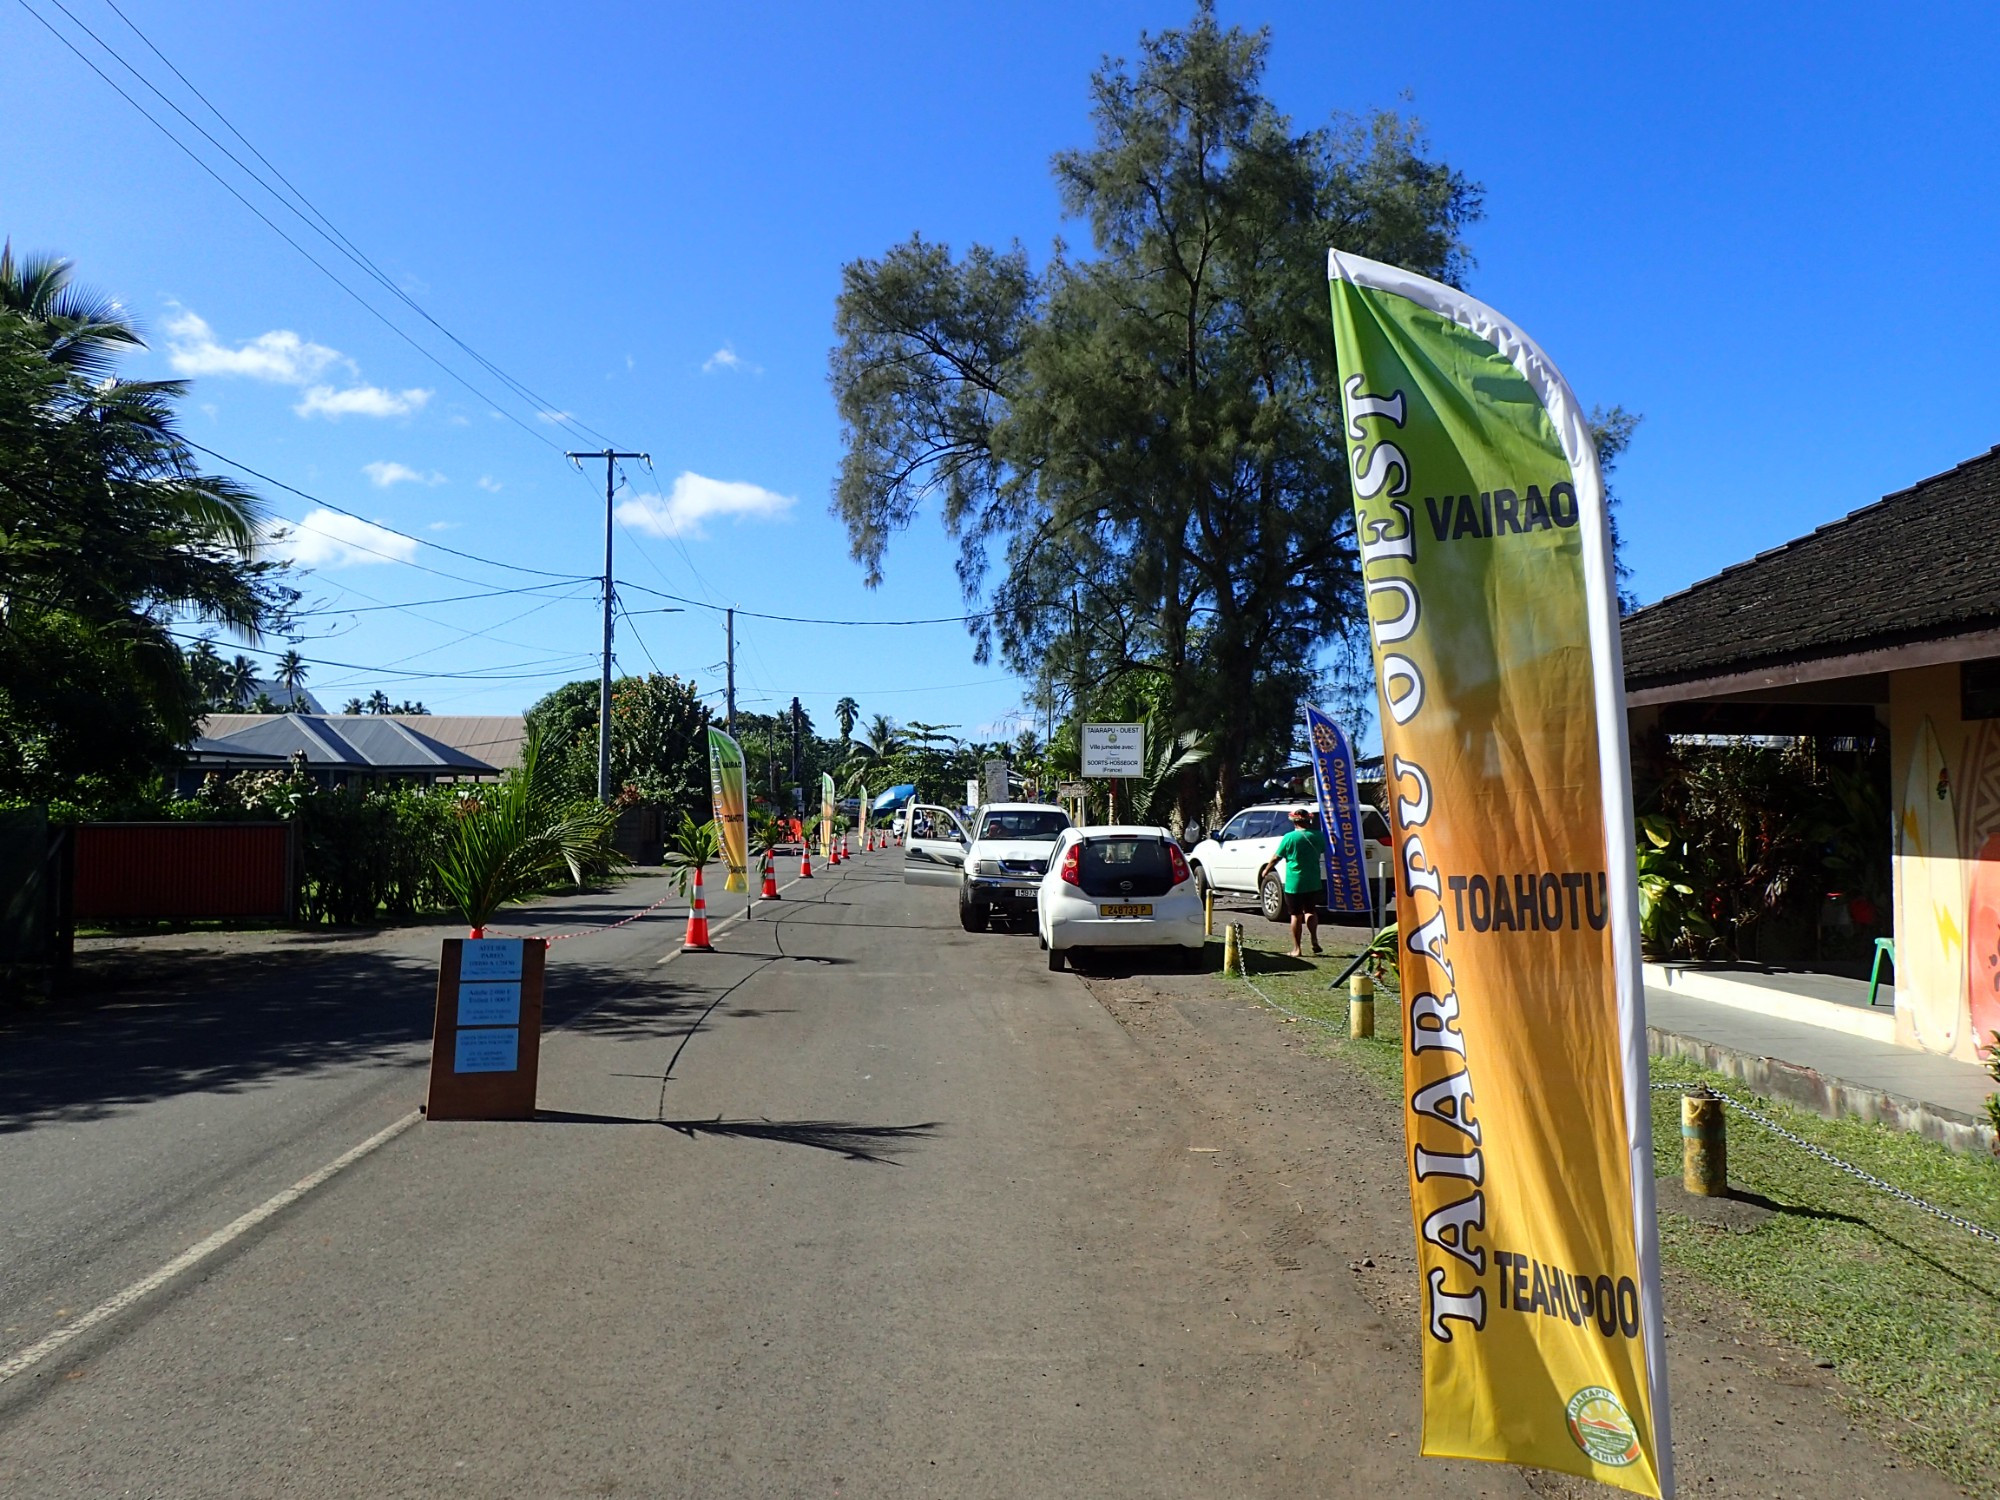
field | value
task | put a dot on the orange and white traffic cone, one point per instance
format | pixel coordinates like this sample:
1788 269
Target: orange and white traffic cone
770 891
805 859
697 933
834 857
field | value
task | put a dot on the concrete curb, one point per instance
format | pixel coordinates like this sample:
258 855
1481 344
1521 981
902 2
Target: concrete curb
1824 1095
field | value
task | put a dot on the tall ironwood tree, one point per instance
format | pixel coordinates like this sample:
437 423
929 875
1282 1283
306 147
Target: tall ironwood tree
1145 440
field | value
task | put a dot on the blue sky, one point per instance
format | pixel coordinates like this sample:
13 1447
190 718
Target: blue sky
1752 224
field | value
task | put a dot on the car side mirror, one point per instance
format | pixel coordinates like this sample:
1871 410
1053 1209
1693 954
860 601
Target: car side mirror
1219 836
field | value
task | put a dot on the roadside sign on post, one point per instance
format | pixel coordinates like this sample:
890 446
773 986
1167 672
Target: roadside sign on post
486 1042
1114 750
996 780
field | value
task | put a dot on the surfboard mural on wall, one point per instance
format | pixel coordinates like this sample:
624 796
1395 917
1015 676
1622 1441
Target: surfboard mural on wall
1980 831
1931 972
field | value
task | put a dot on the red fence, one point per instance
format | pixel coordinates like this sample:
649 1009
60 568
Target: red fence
161 870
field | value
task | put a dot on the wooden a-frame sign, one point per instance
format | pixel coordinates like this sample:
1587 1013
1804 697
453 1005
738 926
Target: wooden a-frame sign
487 1041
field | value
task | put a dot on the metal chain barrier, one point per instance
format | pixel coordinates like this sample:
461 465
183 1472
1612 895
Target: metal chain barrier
563 937
1977 1231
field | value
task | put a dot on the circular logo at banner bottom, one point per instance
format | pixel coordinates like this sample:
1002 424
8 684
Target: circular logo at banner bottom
1601 1427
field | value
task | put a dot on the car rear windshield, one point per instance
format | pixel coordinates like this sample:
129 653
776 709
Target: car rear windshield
1114 867
1034 826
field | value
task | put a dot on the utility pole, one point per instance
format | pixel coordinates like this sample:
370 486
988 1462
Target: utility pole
610 458
730 625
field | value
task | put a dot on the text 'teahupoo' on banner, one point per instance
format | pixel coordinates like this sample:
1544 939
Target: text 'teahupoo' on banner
1485 553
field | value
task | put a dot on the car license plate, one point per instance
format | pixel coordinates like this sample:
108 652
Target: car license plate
1144 909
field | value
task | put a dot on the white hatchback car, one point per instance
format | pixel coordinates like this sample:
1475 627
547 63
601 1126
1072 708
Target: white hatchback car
1118 887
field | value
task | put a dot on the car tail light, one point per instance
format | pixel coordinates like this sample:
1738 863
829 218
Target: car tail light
1072 872
1179 862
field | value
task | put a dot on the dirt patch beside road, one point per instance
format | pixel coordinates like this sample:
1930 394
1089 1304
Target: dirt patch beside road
1317 1165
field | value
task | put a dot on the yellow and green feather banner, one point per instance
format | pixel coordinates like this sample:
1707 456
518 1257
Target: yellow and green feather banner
732 808
1486 558
827 799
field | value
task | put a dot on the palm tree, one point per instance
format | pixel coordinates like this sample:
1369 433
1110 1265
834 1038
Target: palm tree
241 680
79 330
845 712
378 702
208 673
292 676
883 737
521 837
352 706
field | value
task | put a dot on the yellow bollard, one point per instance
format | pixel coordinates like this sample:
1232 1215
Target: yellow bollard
1360 1006
1704 1146
1232 949
1208 913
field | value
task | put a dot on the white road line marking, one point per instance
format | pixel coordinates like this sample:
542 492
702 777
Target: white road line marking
35 1353
195 1254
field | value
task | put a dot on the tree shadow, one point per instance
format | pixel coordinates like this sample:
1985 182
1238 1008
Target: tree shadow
1130 963
1836 1216
226 1024
879 1144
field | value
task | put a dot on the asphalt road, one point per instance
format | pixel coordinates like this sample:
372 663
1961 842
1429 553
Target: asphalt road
861 1205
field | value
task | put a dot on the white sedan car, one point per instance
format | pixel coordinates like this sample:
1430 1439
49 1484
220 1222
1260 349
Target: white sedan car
1118 887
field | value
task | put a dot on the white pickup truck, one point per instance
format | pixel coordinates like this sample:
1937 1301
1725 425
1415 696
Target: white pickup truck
997 868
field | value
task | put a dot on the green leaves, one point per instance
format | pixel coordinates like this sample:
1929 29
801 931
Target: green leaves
522 837
109 536
1146 445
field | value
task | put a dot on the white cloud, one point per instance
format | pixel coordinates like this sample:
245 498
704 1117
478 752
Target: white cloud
326 538
489 484
360 401
386 474
553 418
280 356
694 499
726 358
443 526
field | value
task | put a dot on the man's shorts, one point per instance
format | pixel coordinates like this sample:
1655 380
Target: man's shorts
1304 903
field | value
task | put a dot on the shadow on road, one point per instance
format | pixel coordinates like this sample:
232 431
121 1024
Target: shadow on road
220 1026
880 1144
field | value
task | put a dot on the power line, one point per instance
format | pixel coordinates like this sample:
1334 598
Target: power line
324 226
491 562
416 604
269 223
751 614
504 673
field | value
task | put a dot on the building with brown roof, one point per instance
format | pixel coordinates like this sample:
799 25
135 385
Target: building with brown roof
1888 617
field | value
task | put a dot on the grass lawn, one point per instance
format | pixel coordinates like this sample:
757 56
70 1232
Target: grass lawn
1905 1306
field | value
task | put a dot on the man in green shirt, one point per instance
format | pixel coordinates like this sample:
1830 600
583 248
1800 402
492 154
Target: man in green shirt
1303 854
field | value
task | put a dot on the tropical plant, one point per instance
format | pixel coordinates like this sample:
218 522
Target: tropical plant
1141 446
691 848
521 837
845 713
658 746
292 675
353 706
240 683
110 538
1156 793
378 702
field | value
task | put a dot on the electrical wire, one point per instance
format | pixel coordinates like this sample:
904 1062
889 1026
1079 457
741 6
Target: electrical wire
313 217
504 673
549 413
491 562
751 614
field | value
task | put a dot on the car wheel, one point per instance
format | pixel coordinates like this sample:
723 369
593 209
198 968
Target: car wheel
1271 897
1194 960
1201 885
1040 937
1055 960
971 915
